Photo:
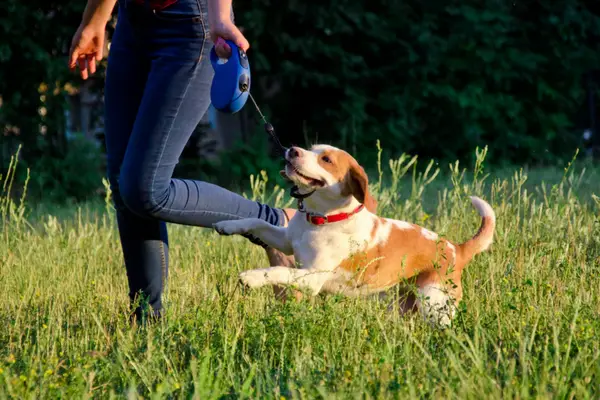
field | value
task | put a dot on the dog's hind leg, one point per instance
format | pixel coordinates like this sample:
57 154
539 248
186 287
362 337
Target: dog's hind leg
437 298
399 298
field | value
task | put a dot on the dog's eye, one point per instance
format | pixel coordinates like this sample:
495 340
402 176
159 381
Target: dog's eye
326 159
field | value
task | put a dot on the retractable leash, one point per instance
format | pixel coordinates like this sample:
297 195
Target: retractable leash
230 90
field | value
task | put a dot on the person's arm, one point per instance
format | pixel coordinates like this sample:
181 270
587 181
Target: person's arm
219 11
221 27
87 45
98 11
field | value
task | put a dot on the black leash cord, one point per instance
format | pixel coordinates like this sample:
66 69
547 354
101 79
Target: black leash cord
294 190
269 128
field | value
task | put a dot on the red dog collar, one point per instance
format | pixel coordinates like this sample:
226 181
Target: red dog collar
319 219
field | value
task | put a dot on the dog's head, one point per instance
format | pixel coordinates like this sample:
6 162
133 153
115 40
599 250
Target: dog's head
333 174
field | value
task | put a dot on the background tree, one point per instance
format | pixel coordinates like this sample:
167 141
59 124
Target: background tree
434 78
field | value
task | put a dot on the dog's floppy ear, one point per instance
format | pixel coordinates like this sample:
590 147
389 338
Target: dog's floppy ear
357 184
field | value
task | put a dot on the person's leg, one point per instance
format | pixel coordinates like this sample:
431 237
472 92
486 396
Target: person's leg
143 241
175 98
152 109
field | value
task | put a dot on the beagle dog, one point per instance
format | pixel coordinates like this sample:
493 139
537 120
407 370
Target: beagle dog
342 247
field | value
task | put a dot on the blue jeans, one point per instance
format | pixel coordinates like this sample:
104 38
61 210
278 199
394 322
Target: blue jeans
157 89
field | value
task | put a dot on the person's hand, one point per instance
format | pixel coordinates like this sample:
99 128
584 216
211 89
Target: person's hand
87 47
226 30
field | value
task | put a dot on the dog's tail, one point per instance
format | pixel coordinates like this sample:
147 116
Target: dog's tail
484 236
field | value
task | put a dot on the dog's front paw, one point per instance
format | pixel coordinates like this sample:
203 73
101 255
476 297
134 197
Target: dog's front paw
229 227
253 279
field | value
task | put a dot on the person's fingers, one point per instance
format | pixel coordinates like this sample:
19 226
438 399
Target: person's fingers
100 47
86 51
238 38
222 49
73 56
91 61
243 43
221 42
83 69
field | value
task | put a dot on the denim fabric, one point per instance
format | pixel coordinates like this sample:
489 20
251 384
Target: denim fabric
157 89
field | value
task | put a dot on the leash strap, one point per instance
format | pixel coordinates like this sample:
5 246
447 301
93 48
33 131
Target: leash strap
294 191
268 127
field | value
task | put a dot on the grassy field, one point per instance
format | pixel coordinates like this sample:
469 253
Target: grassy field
529 325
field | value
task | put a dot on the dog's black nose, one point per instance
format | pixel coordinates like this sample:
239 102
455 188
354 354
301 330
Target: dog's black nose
294 152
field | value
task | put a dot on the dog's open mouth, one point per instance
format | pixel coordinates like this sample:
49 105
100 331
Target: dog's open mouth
291 169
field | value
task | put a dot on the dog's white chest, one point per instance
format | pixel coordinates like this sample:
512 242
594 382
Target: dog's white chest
318 246
326 246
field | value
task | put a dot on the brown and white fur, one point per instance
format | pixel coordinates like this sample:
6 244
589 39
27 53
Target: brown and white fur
364 254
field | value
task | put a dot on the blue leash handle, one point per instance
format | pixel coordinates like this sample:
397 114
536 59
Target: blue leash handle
231 82
230 87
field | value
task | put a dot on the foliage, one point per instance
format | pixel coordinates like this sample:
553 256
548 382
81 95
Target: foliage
34 85
527 328
433 78
75 176
34 78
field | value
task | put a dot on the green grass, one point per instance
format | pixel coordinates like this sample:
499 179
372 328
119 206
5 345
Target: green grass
528 327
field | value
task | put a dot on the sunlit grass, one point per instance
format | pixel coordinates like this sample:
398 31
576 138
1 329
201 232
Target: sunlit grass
528 327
